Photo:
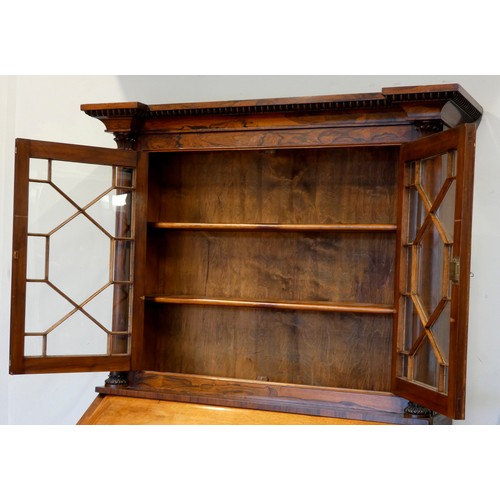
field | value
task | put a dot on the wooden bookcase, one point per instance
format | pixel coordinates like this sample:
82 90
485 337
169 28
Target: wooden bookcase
306 255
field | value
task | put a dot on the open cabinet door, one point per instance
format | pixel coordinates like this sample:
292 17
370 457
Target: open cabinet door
433 272
73 252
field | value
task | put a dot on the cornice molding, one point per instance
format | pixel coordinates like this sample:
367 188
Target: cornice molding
449 104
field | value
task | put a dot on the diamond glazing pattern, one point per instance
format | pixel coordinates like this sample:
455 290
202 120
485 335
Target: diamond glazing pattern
431 204
78 215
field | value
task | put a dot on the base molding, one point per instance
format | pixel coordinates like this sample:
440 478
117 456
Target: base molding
369 406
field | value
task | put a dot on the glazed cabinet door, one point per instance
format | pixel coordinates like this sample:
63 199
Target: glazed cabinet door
73 253
436 179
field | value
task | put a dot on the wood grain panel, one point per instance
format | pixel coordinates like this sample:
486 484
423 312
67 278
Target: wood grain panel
342 267
70 364
163 122
82 154
291 138
335 350
318 186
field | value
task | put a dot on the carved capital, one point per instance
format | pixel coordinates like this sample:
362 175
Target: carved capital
428 127
125 140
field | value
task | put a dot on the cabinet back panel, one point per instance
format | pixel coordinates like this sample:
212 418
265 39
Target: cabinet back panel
323 349
346 267
315 186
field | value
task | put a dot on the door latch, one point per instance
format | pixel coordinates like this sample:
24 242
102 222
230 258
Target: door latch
455 270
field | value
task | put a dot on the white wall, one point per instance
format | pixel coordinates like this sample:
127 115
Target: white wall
44 108
47 108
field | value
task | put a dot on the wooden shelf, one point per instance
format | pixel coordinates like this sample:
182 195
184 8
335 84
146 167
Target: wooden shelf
287 305
198 226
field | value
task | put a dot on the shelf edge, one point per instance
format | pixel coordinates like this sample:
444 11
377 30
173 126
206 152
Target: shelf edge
284 305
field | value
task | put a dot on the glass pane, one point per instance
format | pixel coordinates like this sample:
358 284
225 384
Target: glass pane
39 169
425 365
430 190
120 344
47 208
441 332
112 298
113 212
404 365
122 258
36 257
79 259
433 173
121 299
78 335
446 211
452 163
82 182
33 345
101 308
410 174
413 325
430 268
416 213
408 260
124 177
44 307
76 212
443 382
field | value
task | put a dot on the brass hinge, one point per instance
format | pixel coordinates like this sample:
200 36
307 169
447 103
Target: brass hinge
455 270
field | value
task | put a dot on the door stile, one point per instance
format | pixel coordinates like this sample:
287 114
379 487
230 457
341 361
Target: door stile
400 277
19 257
139 351
462 252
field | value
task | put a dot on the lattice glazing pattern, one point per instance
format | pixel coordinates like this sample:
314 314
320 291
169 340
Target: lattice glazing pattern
430 190
80 245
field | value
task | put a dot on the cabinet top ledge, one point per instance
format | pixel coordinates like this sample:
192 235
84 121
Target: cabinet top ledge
387 98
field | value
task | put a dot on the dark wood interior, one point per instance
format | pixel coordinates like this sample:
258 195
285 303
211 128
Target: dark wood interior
300 347
273 265
275 186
